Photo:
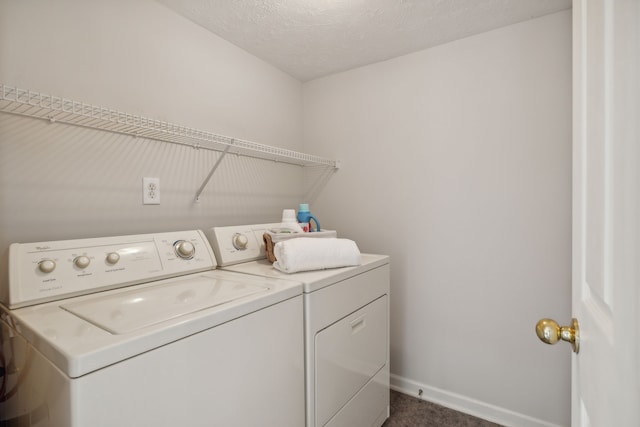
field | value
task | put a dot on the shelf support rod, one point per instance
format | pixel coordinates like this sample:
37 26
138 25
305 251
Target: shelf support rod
213 169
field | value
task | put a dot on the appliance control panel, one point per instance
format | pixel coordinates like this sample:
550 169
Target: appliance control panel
48 271
238 243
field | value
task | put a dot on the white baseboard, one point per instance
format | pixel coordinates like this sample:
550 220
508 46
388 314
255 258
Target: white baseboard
465 404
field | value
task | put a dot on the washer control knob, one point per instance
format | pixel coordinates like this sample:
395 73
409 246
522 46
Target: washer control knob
82 261
47 265
240 241
113 258
184 249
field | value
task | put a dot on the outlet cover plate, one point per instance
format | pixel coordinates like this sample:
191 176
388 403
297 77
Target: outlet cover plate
150 191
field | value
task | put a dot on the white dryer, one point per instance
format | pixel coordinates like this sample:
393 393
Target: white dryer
143 331
346 323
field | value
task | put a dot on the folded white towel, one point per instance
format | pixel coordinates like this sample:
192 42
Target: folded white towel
306 253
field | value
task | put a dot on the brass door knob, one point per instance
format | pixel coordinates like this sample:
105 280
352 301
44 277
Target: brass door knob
550 332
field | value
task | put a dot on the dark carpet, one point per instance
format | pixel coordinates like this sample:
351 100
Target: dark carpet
409 411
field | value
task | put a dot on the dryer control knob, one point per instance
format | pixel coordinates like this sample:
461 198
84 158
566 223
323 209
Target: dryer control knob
82 261
184 249
113 258
240 241
47 265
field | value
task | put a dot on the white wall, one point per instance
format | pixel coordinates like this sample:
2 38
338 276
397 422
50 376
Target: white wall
61 182
457 163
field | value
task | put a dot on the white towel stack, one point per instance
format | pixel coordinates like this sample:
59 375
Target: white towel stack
305 253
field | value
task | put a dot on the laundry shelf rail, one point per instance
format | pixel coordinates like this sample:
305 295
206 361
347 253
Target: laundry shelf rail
29 103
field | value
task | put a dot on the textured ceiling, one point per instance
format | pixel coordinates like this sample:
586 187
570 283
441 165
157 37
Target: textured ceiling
314 38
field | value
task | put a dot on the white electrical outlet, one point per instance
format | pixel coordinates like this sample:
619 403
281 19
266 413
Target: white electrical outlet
150 191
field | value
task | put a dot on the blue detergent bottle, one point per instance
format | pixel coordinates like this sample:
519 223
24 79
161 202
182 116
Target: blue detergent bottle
304 216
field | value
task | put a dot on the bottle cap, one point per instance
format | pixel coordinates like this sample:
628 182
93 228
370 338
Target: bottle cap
289 222
304 207
289 215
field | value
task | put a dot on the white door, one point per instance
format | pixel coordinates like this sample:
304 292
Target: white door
606 212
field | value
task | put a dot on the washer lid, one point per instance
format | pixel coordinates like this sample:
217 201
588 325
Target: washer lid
138 308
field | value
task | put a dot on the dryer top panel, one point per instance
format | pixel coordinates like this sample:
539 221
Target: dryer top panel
311 280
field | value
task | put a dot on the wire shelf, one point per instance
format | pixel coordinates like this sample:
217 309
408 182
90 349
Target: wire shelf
29 103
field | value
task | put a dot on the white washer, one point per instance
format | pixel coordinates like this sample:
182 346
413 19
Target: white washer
346 312
143 331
